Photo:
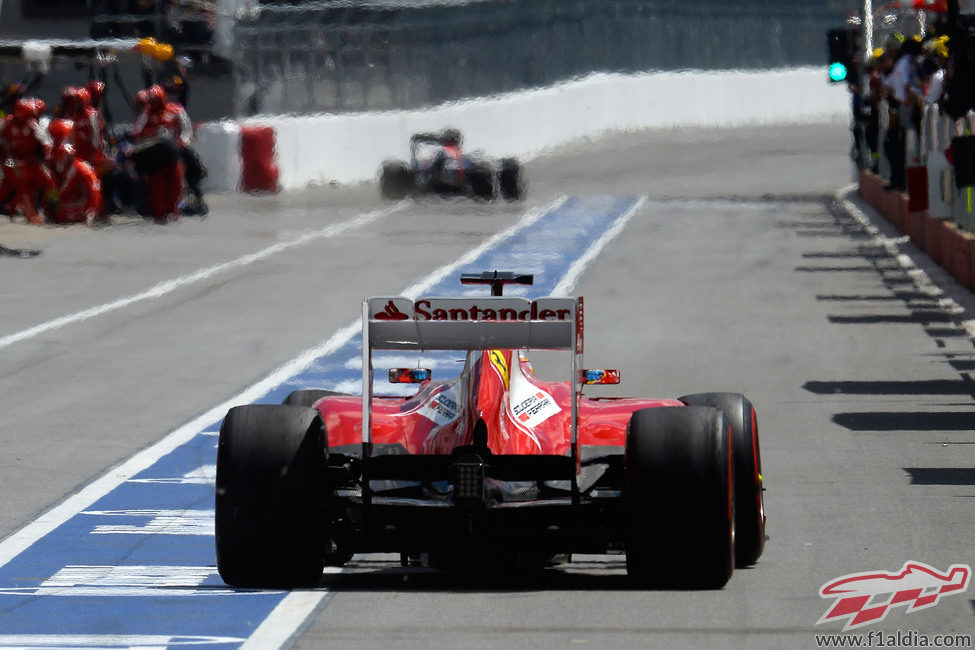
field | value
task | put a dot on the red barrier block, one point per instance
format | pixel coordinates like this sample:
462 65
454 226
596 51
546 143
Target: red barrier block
933 230
917 188
258 172
958 253
956 256
872 189
915 226
971 263
895 209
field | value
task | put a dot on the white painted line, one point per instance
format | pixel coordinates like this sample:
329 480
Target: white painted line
143 641
568 281
18 542
169 286
287 618
922 281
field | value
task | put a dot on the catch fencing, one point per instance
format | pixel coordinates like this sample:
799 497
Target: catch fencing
345 56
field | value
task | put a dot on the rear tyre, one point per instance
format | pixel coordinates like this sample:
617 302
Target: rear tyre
510 181
679 495
309 396
749 492
482 182
395 180
270 530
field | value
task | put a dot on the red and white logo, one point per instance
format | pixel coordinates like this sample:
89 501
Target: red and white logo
391 312
529 404
867 598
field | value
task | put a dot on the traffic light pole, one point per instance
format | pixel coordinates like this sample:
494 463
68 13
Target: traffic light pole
867 23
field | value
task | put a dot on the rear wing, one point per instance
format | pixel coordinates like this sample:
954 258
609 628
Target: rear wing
470 323
480 323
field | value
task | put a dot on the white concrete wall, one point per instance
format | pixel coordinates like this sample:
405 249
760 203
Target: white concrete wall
218 143
348 148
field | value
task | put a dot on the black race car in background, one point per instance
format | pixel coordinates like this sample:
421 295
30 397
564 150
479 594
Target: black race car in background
438 166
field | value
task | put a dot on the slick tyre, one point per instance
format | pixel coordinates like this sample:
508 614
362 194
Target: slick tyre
511 184
395 180
679 496
270 487
482 182
749 491
309 396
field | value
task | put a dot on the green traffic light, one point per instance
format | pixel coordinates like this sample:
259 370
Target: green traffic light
837 71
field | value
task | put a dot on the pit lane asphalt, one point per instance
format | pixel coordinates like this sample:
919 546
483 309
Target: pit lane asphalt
738 274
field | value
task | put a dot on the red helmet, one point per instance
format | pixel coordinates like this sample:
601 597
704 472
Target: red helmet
24 109
69 95
157 96
96 89
84 97
62 156
27 108
60 129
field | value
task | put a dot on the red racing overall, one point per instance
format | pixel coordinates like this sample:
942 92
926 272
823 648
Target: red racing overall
165 185
27 145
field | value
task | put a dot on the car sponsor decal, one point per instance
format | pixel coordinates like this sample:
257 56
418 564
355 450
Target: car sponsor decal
442 408
390 312
535 408
500 364
466 309
529 404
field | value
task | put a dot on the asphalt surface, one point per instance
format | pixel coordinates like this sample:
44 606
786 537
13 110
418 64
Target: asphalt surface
741 271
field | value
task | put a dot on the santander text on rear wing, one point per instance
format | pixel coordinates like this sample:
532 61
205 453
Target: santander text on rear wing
472 323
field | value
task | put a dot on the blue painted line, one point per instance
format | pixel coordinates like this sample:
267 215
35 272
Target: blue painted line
137 567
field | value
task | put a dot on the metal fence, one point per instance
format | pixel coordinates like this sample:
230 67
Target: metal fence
354 55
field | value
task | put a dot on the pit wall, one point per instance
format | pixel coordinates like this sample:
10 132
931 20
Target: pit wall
350 147
937 215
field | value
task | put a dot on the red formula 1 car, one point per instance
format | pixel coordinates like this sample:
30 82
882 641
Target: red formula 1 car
492 465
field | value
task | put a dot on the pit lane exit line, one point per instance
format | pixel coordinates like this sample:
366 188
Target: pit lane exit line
169 286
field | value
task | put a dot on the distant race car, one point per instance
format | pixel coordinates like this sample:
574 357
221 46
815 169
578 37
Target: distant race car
438 166
494 466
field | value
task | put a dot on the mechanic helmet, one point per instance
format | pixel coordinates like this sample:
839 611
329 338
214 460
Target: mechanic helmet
142 99
69 97
84 97
38 106
23 109
451 137
97 90
62 157
60 130
155 97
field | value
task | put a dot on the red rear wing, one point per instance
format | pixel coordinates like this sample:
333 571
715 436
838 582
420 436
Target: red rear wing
476 323
470 323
